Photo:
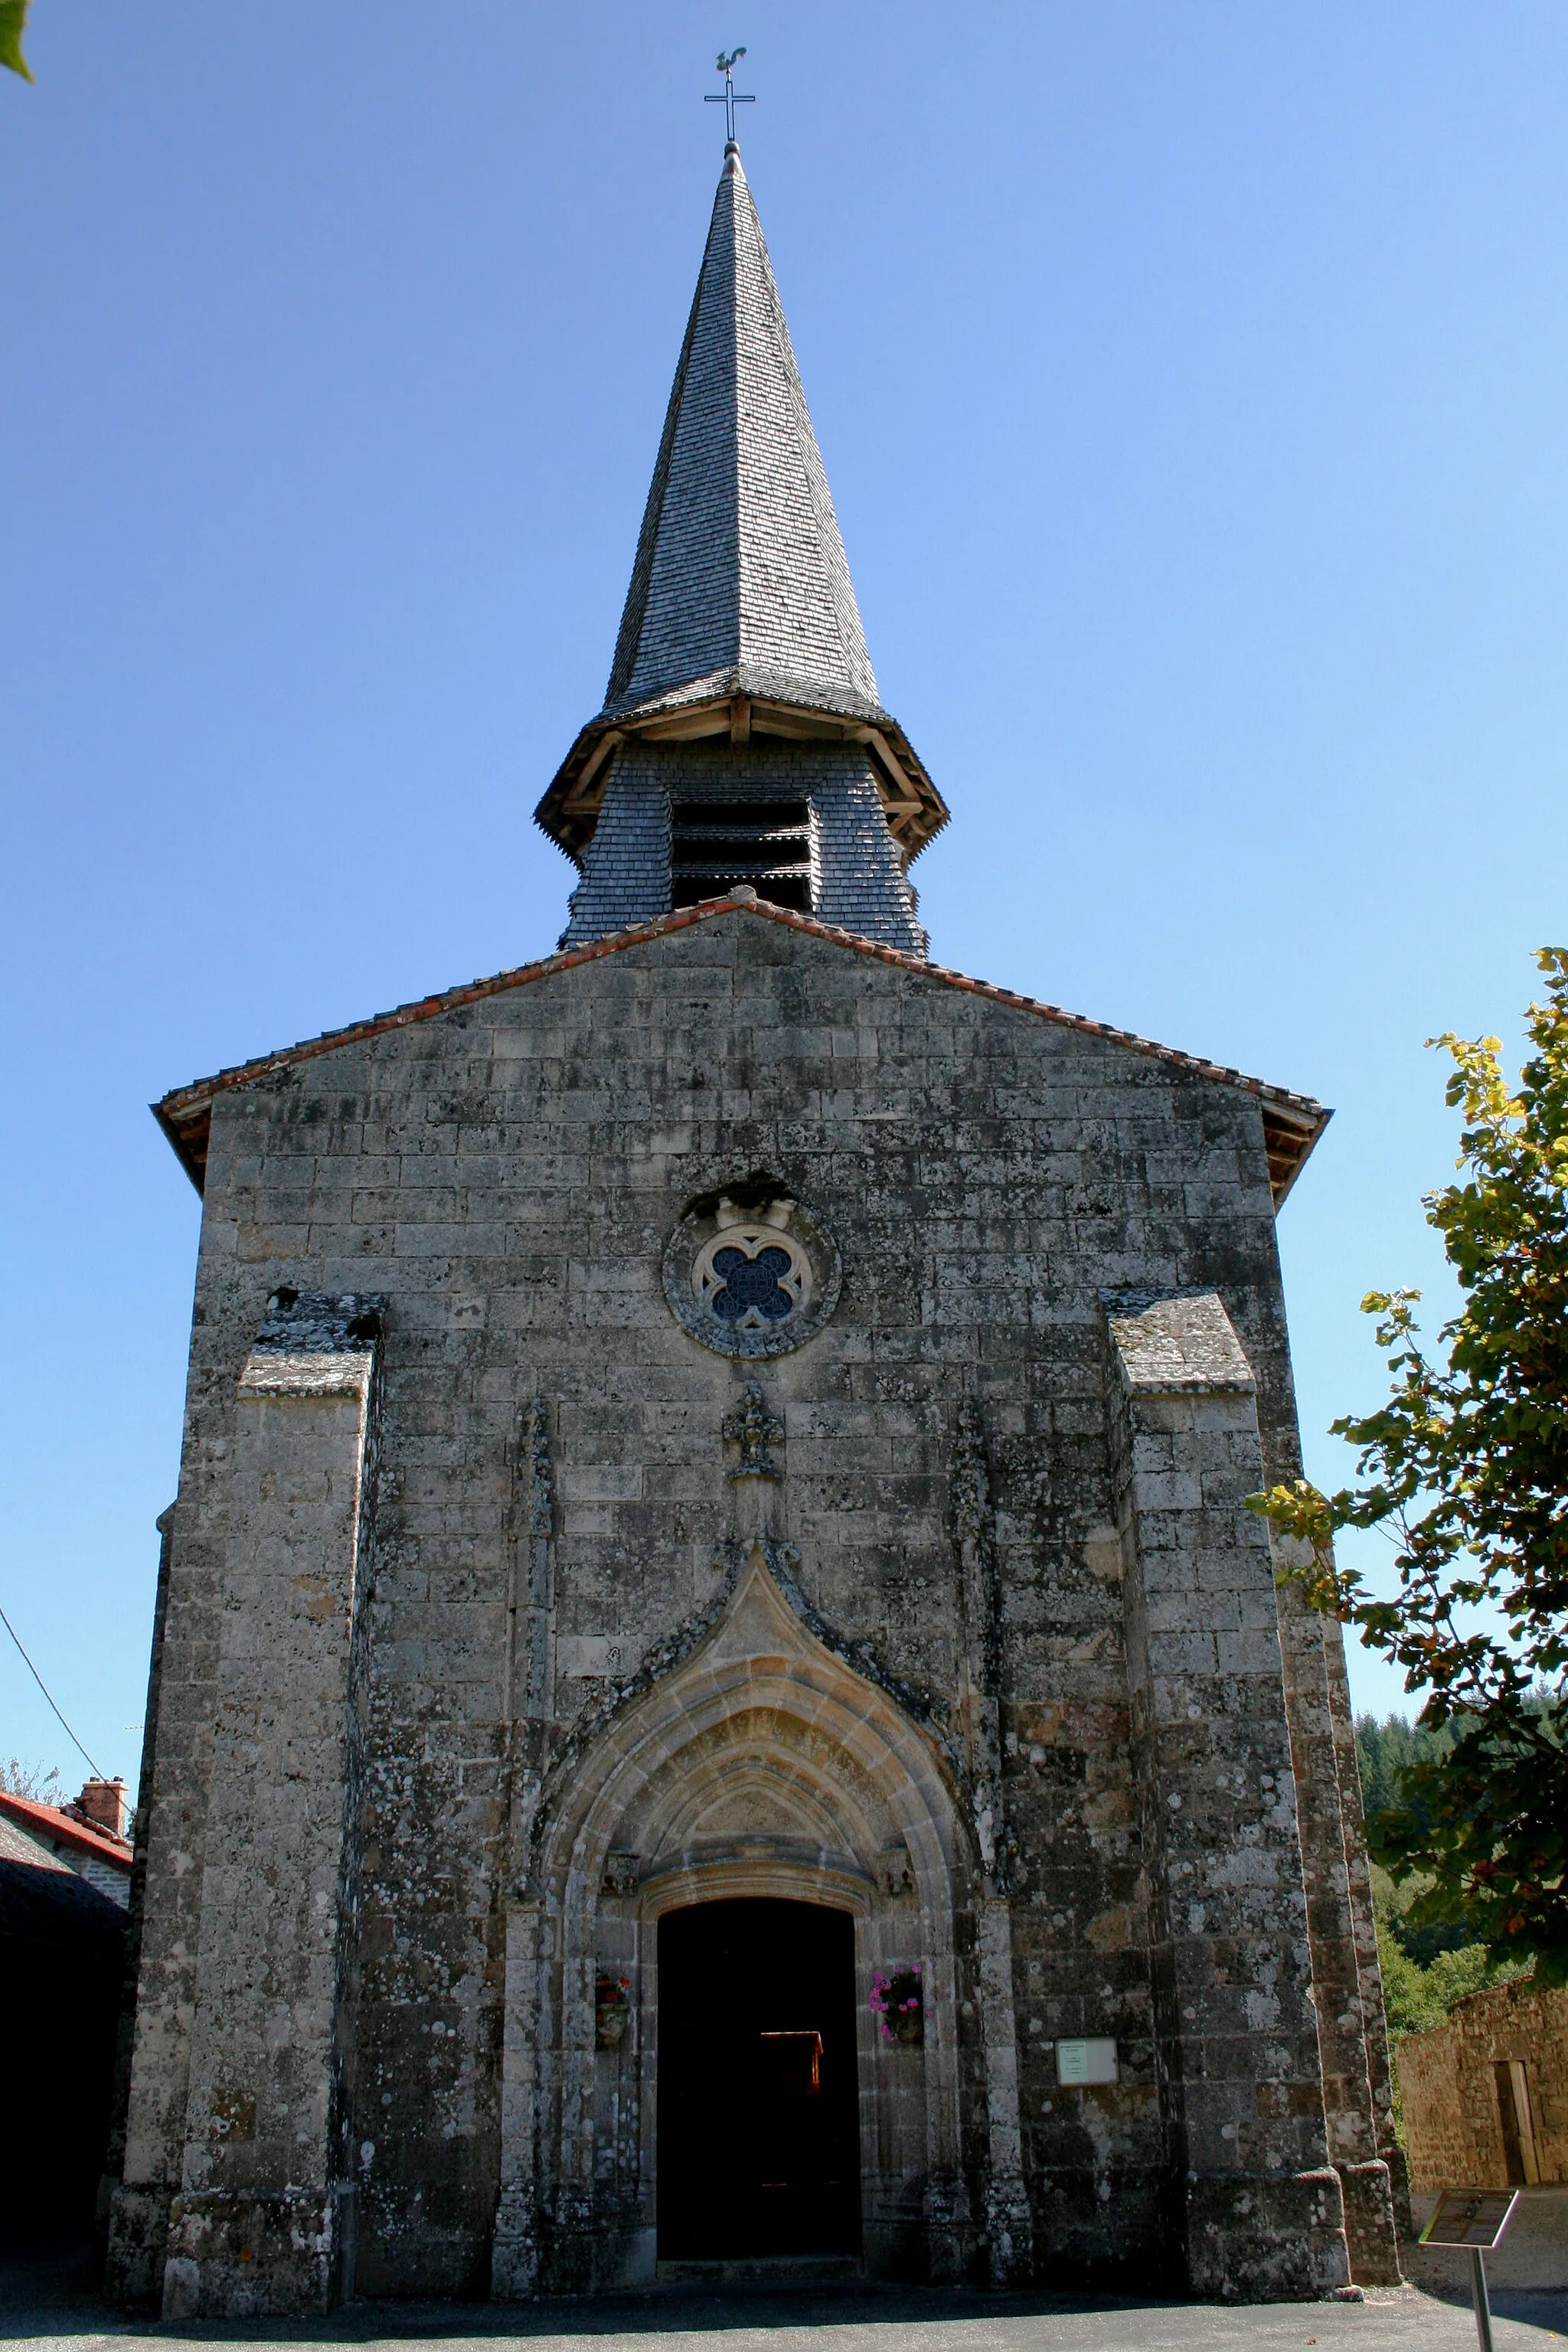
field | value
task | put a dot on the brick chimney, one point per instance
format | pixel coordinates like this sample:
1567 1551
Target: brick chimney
102 1802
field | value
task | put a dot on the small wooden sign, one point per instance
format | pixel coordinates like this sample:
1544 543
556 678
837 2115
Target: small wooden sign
796 2064
1470 2217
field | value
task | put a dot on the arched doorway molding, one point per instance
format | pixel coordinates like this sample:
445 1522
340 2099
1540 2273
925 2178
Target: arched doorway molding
761 1763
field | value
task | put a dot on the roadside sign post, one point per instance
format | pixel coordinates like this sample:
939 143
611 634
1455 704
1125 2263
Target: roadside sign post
1473 2219
1480 2298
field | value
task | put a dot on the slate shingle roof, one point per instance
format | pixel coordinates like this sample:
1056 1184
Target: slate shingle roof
741 618
739 563
15 1847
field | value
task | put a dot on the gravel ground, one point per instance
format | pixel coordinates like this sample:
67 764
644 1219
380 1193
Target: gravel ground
48 2297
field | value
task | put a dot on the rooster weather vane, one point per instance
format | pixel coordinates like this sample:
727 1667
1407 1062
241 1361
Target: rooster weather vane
731 98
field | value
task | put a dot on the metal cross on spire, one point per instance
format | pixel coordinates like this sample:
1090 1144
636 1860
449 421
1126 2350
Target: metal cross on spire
732 96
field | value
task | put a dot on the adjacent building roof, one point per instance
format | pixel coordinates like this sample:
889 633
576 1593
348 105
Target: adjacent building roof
1291 1122
741 618
59 1830
16 1846
62 1915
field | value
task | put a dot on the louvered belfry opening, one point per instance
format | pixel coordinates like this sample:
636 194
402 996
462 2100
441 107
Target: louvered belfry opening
716 843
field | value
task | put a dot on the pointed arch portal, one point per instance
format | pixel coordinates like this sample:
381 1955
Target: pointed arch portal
761 1778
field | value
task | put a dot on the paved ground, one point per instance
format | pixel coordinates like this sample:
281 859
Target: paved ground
46 2298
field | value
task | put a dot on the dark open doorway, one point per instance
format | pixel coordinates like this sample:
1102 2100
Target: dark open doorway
759 2143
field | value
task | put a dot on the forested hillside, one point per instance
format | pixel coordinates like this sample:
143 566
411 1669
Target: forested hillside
1424 1970
1385 1748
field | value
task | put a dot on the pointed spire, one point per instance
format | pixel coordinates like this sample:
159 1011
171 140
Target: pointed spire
740 621
740 566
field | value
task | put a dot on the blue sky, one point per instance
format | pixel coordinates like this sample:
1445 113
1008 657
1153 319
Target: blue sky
1192 384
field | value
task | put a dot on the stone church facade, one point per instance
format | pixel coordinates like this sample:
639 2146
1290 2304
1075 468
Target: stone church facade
715 1698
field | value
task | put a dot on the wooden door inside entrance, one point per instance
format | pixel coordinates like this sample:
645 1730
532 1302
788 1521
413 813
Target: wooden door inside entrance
759 2143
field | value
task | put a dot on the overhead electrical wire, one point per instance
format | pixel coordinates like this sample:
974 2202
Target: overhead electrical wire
97 1770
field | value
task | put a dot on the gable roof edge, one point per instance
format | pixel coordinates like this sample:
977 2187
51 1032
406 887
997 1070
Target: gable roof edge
1292 1122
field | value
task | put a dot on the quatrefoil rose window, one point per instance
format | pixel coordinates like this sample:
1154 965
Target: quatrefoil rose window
752 1276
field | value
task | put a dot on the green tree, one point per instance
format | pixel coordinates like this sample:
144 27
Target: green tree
1385 1751
1414 1997
1466 1466
13 24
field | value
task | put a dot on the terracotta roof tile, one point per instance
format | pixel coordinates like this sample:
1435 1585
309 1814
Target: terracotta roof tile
54 1822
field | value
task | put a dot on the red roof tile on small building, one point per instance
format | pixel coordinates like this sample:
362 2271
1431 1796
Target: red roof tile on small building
53 1824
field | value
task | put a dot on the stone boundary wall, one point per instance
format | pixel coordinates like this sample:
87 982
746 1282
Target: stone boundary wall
1453 2121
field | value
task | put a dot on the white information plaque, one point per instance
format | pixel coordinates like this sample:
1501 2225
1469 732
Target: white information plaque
1086 2062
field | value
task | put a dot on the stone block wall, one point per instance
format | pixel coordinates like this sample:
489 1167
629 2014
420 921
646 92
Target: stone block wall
1447 2080
969 1514
263 2217
1236 2039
